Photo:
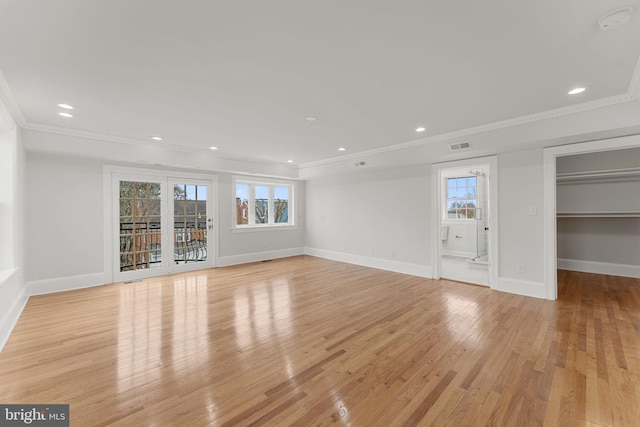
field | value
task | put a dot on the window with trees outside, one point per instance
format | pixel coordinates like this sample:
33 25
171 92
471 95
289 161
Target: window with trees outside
259 204
461 197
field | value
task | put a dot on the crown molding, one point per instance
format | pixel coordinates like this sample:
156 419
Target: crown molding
138 142
518 121
634 85
13 113
100 136
549 114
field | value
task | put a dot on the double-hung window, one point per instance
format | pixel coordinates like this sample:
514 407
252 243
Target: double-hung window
263 203
461 197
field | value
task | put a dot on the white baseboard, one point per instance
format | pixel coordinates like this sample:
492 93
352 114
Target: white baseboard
14 299
624 270
258 256
60 284
521 287
382 264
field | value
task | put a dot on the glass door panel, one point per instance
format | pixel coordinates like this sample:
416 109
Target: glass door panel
191 223
139 220
160 225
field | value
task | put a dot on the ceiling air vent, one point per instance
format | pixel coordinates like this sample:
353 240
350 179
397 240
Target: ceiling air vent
361 163
460 146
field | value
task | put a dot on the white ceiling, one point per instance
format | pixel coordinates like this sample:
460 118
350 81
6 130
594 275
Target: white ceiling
243 76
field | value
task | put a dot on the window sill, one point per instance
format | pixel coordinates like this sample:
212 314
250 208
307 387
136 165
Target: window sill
250 228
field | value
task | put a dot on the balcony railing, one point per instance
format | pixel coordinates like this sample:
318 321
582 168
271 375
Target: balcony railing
143 249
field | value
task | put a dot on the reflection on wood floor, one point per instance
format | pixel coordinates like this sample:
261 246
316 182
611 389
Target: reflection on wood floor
306 341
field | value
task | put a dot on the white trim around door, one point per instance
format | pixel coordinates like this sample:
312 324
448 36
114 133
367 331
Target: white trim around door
207 253
437 170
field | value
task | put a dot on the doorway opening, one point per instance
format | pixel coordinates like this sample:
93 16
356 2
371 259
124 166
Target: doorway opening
464 225
587 213
464 211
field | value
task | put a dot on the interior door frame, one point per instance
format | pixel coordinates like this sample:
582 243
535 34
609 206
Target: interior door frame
111 245
437 208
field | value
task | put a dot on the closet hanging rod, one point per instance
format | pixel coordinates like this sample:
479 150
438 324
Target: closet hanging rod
610 173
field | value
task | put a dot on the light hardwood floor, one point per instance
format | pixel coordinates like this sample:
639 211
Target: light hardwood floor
306 341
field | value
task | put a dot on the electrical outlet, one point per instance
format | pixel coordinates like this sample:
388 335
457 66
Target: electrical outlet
522 268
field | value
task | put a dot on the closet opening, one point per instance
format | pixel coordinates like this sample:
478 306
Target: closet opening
598 212
592 209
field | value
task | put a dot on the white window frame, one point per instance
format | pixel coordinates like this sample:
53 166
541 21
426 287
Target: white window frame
251 208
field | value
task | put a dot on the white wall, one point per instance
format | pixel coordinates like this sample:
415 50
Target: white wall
599 196
376 218
7 195
65 240
363 218
13 295
64 218
238 246
601 160
603 240
521 237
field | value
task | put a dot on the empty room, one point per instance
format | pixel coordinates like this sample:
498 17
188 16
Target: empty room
300 214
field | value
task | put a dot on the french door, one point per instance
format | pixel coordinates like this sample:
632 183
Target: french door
161 225
192 223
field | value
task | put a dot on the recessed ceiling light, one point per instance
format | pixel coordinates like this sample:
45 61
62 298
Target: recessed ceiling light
311 119
577 90
421 129
65 106
213 148
156 138
65 114
289 161
342 149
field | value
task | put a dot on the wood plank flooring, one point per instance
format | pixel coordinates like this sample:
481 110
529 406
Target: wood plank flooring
305 341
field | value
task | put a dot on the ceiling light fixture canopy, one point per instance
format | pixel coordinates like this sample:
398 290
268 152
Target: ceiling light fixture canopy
615 19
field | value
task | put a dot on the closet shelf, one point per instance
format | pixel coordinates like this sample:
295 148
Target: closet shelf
620 214
601 175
